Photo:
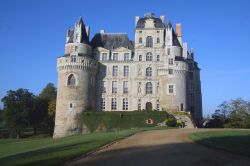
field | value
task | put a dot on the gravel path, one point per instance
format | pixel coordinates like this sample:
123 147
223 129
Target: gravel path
161 147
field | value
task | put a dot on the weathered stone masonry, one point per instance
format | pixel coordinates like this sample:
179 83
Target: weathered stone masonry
113 73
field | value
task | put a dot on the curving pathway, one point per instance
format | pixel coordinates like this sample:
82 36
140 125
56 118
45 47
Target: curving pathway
164 148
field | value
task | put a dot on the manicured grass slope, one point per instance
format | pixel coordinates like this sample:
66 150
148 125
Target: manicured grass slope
48 151
237 141
117 120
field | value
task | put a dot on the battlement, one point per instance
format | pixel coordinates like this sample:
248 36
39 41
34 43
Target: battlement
77 62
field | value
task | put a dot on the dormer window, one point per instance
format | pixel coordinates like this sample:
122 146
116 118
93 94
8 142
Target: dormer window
126 56
104 56
73 58
115 56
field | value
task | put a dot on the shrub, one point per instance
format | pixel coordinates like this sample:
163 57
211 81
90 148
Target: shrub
171 122
117 120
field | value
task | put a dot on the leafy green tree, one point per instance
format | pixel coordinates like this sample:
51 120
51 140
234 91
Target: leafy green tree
48 97
38 113
51 115
238 113
17 107
48 93
1 118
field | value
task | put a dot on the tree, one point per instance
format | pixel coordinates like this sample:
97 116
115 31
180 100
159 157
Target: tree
238 113
17 107
51 116
48 96
48 93
38 113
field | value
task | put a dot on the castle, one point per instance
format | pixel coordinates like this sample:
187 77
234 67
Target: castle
154 72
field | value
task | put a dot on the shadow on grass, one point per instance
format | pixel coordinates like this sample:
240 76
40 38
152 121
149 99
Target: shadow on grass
178 154
46 156
236 144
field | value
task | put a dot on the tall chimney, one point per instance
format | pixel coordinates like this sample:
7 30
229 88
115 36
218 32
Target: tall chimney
185 50
162 18
178 32
192 53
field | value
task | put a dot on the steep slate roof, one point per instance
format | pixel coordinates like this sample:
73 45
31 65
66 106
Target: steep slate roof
84 37
158 22
111 41
175 39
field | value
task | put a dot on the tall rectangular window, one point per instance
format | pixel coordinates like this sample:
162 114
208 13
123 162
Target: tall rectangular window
126 56
139 104
158 105
125 87
158 40
168 51
113 104
125 104
171 89
170 71
170 61
115 56
103 86
73 58
104 56
114 86
126 71
140 40
182 107
115 70
102 104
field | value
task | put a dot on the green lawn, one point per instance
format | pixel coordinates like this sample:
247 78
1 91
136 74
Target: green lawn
48 151
237 141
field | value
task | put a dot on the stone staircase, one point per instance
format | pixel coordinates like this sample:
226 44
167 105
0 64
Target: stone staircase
186 120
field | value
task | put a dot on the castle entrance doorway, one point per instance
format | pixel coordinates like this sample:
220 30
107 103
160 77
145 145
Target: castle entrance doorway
148 106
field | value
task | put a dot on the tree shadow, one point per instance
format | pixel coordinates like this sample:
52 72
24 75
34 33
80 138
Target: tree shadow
235 144
178 154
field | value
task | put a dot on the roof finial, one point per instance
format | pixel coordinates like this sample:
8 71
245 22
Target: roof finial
80 20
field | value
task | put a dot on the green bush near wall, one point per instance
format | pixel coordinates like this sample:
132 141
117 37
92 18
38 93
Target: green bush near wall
117 120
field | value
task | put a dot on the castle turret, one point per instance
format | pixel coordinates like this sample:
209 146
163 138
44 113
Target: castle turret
76 81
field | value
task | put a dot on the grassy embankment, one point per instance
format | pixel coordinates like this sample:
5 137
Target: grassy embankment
237 141
48 151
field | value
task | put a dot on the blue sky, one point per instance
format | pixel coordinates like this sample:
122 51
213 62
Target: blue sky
32 36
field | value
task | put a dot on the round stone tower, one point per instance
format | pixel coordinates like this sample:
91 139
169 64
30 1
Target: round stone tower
76 81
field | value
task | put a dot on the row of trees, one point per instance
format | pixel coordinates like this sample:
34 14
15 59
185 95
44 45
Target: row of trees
22 109
231 114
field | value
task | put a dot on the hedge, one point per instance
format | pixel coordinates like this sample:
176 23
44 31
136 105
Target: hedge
117 120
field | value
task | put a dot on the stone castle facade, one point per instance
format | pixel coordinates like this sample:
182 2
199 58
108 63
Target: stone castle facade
112 73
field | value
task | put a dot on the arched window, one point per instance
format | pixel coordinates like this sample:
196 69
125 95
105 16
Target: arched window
140 57
149 41
71 80
149 72
158 57
149 56
149 88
